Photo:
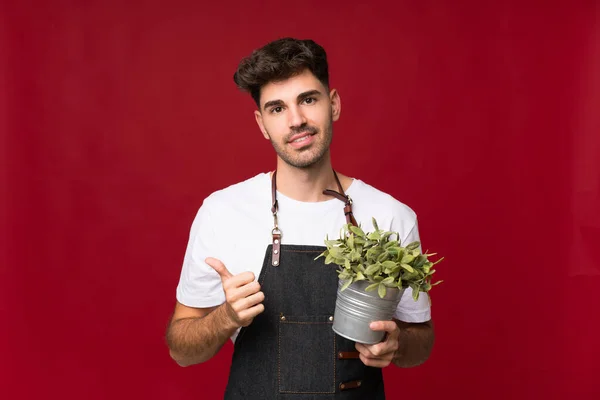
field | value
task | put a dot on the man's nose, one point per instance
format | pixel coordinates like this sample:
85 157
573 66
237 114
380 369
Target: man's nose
296 117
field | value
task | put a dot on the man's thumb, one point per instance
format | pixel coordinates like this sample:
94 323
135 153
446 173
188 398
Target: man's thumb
218 266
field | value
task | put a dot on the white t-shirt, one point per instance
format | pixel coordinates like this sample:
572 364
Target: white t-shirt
234 225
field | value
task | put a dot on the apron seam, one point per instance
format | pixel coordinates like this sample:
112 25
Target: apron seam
290 392
302 251
279 357
334 364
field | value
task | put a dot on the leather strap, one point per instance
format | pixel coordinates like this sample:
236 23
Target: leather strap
276 247
348 355
276 233
350 385
343 197
274 193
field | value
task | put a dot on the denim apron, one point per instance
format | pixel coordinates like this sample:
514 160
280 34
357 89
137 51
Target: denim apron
290 350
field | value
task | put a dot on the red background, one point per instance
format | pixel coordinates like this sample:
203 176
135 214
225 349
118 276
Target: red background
117 119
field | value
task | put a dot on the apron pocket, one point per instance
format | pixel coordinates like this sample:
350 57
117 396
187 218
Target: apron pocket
306 354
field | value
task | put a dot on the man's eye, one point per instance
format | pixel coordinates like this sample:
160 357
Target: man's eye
276 110
309 100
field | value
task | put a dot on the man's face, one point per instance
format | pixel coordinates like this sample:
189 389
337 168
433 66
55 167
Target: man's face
296 115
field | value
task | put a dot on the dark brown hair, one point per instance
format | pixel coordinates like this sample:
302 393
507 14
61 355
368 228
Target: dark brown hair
280 60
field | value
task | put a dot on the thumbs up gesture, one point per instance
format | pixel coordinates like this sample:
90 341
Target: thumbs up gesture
243 296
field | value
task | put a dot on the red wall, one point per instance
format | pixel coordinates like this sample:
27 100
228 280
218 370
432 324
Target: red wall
118 118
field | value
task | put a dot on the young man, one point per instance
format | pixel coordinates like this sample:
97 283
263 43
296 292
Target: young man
250 272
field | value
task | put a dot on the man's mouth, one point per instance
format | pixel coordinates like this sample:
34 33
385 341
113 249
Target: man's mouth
301 140
301 137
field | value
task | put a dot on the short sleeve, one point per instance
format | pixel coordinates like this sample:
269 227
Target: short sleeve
408 309
199 285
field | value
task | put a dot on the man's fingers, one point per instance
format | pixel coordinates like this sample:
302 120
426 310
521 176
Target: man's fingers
235 293
383 348
244 303
244 298
377 350
368 358
238 281
380 354
388 326
218 266
252 300
377 363
364 350
250 313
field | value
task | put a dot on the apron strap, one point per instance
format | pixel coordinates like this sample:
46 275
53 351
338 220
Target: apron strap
343 197
276 233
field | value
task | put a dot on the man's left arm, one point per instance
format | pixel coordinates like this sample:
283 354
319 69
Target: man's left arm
406 344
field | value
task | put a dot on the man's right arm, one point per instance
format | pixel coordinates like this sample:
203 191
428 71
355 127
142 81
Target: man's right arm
196 334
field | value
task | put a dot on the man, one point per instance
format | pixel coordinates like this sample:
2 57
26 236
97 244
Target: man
250 272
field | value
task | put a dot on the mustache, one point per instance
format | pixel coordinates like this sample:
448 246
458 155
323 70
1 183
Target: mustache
302 129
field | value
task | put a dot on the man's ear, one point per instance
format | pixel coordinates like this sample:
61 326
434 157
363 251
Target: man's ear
259 122
336 104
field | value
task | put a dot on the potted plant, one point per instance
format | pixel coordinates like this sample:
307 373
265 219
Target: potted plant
374 270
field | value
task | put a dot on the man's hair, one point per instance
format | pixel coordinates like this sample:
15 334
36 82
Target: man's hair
278 61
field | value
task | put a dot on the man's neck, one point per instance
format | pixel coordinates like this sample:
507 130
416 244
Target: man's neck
307 184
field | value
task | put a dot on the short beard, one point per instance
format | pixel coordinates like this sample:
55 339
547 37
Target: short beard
317 153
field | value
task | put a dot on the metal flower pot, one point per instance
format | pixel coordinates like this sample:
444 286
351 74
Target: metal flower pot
355 309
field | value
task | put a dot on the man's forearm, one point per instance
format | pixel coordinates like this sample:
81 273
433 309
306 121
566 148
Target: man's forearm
195 340
415 344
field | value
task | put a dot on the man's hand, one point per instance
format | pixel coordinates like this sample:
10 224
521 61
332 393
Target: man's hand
380 354
243 296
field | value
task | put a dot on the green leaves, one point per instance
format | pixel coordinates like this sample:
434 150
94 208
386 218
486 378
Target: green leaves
379 258
407 267
346 284
373 269
413 246
408 258
381 290
357 231
372 287
374 235
389 281
375 223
